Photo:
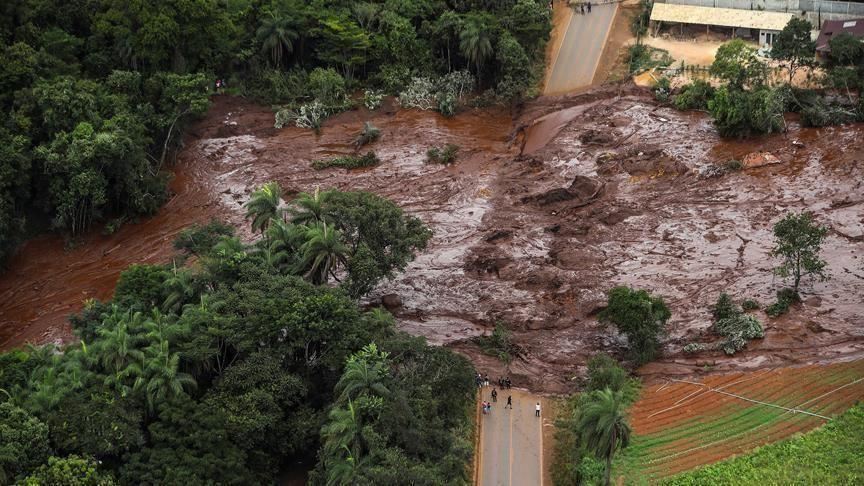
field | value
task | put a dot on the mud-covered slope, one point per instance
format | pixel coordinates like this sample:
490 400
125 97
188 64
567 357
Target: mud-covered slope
608 192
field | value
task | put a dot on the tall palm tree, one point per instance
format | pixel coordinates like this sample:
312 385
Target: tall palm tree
322 252
343 445
310 208
117 351
283 242
603 426
162 379
475 44
276 35
264 206
365 372
181 288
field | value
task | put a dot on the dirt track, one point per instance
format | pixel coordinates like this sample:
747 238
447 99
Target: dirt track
631 210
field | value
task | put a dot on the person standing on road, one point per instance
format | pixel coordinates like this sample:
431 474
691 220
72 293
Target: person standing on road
509 402
589 7
494 395
537 410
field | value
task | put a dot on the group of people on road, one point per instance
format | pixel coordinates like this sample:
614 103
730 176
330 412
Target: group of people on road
583 7
483 380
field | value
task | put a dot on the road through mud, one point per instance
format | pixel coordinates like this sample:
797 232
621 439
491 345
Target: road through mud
608 193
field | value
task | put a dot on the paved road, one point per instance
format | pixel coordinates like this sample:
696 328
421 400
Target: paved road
576 61
511 442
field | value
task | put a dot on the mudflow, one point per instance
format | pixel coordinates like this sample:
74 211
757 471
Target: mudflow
537 219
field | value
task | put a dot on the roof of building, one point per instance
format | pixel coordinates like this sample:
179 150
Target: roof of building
832 28
722 17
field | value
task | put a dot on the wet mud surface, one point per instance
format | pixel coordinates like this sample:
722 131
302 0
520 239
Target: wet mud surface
607 193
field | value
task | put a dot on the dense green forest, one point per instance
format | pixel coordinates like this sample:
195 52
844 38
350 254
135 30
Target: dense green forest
235 362
96 93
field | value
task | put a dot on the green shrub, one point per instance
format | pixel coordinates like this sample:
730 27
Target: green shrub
641 317
643 58
348 162
444 155
369 134
276 86
327 86
737 330
785 298
663 89
372 99
750 304
694 96
724 308
692 348
733 165
498 344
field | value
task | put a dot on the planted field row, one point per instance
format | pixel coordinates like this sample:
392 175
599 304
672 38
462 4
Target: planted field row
681 425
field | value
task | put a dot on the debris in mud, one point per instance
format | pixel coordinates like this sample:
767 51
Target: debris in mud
583 189
391 301
759 159
598 137
499 235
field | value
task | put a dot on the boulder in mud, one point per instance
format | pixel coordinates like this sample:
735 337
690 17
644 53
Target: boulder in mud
759 159
583 189
391 301
598 137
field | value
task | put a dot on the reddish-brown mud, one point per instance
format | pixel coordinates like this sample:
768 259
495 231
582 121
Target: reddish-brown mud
607 193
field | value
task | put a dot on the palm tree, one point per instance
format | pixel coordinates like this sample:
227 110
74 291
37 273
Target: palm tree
181 290
343 445
475 44
322 252
364 373
117 351
264 206
276 34
283 242
310 208
162 379
603 427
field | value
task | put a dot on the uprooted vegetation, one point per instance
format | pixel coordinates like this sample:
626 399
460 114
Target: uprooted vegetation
348 161
733 325
442 155
498 344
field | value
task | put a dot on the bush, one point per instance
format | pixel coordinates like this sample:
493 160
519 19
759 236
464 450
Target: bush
274 86
737 330
348 162
739 113
368 135
724 308
749 305
785 298
327 86
419 94
640 316
695 96
393 78
498 343
372 99
692 348
447 103
643 58
444 155
605 372
663 89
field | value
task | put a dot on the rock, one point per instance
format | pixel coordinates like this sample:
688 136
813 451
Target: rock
582 189
497 235
391 301
759 159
